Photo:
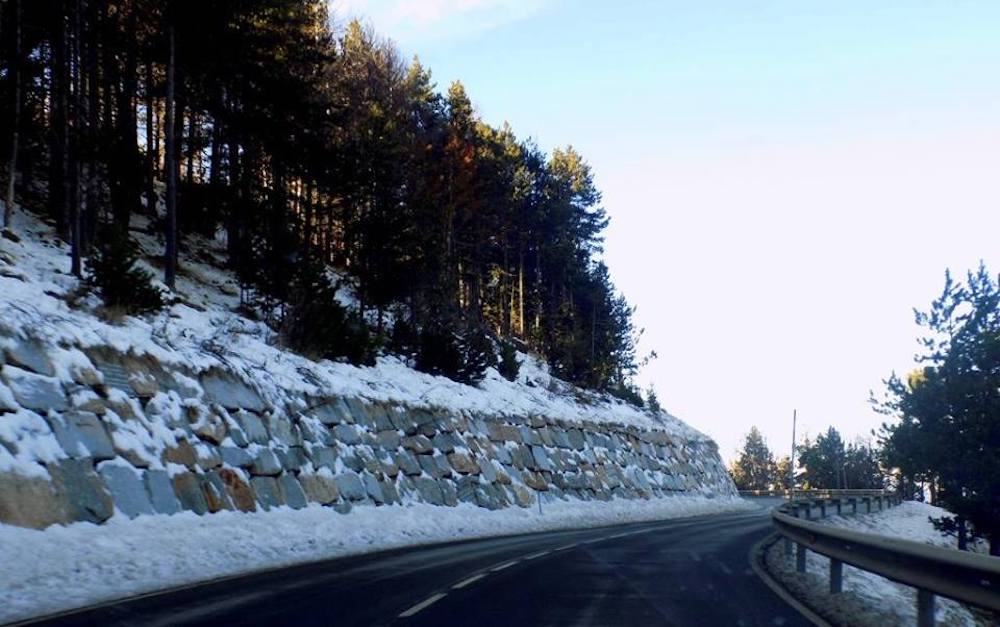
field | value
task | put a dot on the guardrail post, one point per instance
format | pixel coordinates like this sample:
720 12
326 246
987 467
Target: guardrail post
837 503
800 558
822 509
868 504
788 548
854 506
836 576
807 509
880 503
925 608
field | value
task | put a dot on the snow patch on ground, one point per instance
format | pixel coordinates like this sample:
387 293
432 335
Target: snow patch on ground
71 566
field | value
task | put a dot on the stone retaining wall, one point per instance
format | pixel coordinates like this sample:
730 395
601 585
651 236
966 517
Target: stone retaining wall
86 434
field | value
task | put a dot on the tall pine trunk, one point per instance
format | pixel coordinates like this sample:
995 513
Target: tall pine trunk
170 261
15 71
151 144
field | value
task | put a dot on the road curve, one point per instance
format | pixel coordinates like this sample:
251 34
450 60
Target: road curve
692 571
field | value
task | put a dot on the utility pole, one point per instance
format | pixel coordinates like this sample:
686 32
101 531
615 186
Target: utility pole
791 464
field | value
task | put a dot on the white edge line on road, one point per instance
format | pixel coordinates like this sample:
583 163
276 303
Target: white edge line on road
472 579
504 566
422 605
537 555
568 546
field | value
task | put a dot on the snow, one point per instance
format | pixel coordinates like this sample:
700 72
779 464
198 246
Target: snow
203 330
908 521
81 564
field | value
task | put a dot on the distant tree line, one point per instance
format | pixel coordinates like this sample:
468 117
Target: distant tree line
309 147
826 463
944 435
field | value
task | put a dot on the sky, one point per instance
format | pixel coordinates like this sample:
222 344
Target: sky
786 179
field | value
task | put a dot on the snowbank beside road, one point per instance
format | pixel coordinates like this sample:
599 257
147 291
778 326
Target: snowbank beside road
82 564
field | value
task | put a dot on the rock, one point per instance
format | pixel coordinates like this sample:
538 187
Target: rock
182 453
144 384
239 491
389 440
208 456
265 463
235 457
35 391
330 411
315 432
348 434
429 490
230 393
81 434
407 462
534 480
283 431
31 355
487 469
127 489
541 457
522 496
350 486
161 492
390 492
292 492
419 444
444 442
463 464
252 427
449 492
293 458
576 439
323 457
189 493
88 498
30 502
466 487
207 426
374 489
320 488
267 492
530 436
7 402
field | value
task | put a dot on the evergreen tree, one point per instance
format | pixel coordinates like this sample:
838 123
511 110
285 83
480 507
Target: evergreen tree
754 469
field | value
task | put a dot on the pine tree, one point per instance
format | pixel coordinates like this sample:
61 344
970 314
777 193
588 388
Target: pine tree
754 469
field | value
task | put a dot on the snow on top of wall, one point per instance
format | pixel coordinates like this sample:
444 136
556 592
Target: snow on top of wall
203 331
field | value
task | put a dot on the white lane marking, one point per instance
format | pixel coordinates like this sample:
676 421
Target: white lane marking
618 535
422 605
470 580
537 555
504 566
563 548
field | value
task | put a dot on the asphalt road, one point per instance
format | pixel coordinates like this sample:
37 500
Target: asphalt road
692 571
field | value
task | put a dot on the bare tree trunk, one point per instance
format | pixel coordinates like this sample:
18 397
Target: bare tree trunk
15 70
170 266
151 145
75 195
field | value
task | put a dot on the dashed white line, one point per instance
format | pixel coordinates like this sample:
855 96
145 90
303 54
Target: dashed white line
470 580
504 566
422 605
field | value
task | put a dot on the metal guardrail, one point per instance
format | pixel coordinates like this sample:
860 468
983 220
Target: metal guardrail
933 571
814 493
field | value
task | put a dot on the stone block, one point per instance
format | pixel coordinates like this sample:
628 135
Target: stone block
215 492
419 444
348 434
252 426
127 488
283 431
265 463
87 497
576 439
187 487
323 457
541 456
463 464
314 431
31 355
267 492
231 393
389 440
487 469
208 456
350 486
292 491
407 462
182 453
235 457
161 492
238 489
466 490
82 434
30 502
449 492
319 487
330 411
374 489
293 458
35 391
429 490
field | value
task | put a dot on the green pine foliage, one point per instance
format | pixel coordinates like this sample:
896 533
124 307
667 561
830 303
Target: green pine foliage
300 140
754 468
508 364
113 274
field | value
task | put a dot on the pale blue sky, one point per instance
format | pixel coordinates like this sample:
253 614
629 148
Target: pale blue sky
786 179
